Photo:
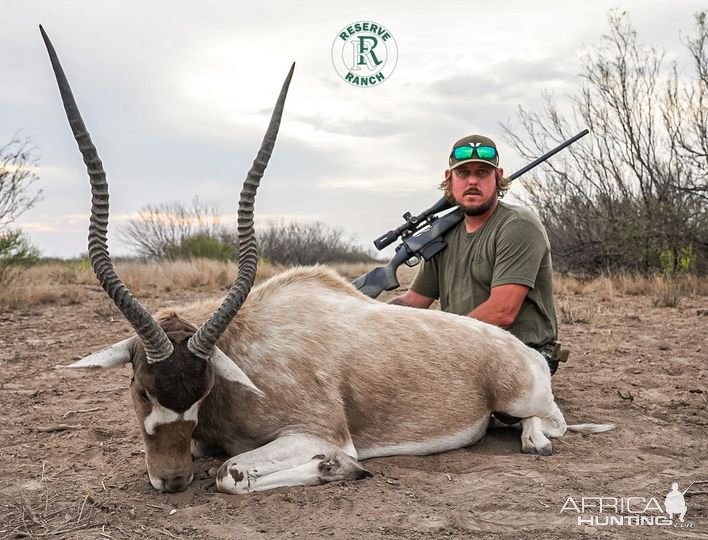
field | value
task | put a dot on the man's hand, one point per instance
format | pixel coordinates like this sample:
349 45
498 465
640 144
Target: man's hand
412 299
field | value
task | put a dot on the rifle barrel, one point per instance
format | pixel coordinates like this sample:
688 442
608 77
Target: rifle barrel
548 154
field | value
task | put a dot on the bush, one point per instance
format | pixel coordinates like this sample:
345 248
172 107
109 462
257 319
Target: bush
202 246
16 252
178 232
307 243
175 231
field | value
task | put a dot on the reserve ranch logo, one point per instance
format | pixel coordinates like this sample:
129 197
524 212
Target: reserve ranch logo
364 53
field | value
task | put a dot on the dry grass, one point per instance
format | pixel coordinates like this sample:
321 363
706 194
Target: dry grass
59 283
181 275
632 285
28 295
41 509
66 283
604 287
664 291
571 313
669 293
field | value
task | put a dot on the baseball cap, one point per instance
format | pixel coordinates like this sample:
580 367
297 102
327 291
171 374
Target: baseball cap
474 148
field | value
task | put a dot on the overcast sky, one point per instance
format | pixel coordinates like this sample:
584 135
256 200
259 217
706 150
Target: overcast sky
177 94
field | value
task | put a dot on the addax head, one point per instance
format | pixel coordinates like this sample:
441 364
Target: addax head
174 364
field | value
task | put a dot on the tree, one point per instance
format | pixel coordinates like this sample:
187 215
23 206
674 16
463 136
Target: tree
307 243
175 231
637 187
686 113
17 161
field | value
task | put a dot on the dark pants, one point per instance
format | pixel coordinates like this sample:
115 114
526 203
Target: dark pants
547 352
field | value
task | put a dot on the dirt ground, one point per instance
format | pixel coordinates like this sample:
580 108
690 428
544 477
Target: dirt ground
72 463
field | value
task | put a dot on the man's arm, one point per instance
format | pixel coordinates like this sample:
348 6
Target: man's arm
502 306
412 299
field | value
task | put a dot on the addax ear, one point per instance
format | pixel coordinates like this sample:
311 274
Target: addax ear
110 357
227 368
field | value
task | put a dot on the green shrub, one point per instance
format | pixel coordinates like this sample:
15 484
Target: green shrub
16 252
202 246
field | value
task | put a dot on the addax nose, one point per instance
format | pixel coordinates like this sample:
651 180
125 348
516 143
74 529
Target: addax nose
177 482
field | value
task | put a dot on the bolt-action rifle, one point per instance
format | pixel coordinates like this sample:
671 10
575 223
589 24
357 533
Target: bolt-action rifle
427 243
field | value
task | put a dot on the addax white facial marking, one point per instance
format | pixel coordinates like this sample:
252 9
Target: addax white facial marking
162 415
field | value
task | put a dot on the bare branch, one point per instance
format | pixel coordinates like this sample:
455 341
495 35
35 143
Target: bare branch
637 188
17 161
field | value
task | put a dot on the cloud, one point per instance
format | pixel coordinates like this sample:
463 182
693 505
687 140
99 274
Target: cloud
507 80
355 127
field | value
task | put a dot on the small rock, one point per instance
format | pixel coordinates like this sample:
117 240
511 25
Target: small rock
33 485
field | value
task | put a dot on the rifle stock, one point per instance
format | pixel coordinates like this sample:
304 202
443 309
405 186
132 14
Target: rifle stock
382 278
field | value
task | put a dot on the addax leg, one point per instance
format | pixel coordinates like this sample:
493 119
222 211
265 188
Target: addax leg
536 429
541 417
553 422
291 460
533 441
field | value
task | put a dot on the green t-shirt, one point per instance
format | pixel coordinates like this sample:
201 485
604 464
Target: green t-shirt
511 247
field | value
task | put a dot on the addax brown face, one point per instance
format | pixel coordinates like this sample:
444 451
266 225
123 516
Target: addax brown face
166 396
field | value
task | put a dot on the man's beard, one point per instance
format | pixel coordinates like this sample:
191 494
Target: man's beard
478 209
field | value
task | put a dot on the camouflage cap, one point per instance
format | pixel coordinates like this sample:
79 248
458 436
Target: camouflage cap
474 141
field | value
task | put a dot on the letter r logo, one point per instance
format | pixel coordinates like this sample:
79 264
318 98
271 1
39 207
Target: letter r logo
363 51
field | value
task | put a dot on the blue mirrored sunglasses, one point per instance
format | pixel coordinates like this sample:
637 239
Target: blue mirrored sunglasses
466 152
